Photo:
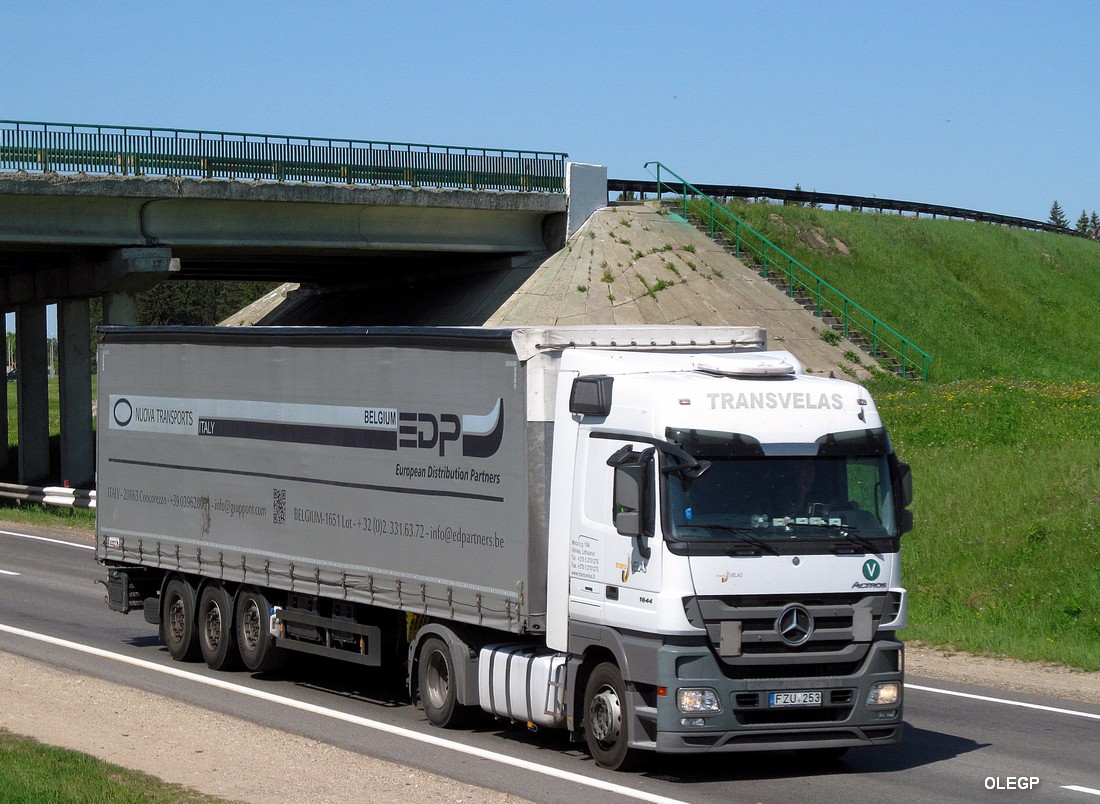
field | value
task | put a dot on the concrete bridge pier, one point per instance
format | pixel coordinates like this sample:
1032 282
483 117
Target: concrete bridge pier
32 393
118 278
75 392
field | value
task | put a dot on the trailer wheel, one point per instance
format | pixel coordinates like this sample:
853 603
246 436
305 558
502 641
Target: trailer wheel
438 688
605 727
256 645
215 626
178 621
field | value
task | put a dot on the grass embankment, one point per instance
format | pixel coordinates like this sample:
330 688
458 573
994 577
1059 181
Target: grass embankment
32 772
1005 438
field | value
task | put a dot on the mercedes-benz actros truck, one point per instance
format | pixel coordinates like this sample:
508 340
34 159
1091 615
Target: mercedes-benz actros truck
658 538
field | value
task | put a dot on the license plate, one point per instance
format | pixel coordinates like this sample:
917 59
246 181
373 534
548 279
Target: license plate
777 699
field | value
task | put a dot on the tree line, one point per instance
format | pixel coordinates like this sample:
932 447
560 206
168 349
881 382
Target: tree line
1086 224
189 302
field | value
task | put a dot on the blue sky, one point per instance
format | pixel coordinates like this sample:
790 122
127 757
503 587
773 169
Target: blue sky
986 105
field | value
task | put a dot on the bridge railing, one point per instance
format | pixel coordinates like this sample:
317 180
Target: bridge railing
856 203
772 260
123 150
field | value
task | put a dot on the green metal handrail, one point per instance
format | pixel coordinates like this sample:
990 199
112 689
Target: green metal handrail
771 258
125 150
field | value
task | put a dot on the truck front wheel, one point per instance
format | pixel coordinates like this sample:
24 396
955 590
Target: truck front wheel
215 622
178 621
438 685
255 643
605 714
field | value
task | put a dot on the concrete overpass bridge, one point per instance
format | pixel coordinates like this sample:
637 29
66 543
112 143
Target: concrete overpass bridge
95 211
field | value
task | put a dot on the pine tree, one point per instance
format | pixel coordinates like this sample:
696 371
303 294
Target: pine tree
1083 222
1094 224
1057 216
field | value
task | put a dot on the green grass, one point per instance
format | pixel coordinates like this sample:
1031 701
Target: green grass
983 300
47 516
31 772
1003 439
1003 559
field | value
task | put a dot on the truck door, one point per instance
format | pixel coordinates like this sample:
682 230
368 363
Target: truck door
609 573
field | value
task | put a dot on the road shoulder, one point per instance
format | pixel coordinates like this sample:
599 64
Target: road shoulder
213 753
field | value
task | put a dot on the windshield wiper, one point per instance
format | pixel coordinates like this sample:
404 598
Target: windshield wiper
747 536
854 538
848 532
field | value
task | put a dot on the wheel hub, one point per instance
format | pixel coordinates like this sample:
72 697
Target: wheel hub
176 620
439 680
251 630
213 626
607 716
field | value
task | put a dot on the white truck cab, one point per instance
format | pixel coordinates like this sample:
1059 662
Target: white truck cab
731 530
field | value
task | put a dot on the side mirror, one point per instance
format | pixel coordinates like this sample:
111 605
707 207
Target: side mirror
903 489
632 495
905 484
628 496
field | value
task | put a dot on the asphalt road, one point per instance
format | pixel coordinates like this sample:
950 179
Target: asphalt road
975 744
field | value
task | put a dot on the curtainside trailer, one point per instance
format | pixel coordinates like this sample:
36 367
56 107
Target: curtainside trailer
658 538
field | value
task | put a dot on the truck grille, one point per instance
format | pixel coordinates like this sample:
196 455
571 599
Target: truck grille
746 634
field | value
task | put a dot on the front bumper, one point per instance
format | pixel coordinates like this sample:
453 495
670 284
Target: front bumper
747 720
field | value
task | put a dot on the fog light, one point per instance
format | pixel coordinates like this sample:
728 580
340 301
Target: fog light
698 700
693 721
886 693
888 714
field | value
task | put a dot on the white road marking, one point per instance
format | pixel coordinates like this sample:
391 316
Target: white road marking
8 572
45 539
1078 789
1004 701
335 714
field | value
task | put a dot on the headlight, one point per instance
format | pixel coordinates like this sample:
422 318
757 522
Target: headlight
698 700
886 693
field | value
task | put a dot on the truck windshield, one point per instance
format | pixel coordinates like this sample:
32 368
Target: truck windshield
840 493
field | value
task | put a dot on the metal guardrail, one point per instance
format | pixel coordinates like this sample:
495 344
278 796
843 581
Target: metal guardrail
853 202
853 317
127 150
49 495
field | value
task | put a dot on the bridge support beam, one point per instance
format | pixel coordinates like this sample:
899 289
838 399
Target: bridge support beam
75 387
120 308
33 394
125 273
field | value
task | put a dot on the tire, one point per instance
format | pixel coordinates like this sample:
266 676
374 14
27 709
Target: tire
178 621
214 622
605 718
256 646
438 685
